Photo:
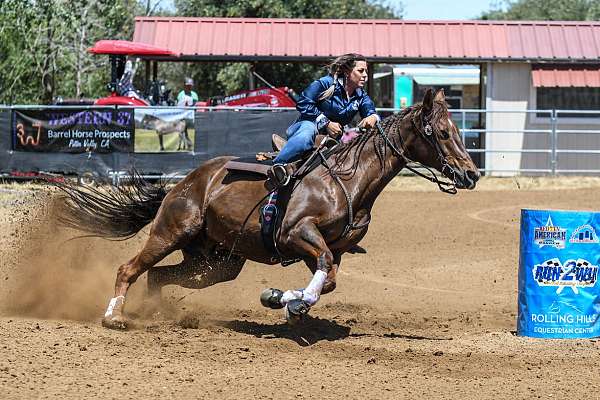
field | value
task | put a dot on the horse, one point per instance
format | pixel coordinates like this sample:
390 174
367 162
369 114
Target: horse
166 127
212 217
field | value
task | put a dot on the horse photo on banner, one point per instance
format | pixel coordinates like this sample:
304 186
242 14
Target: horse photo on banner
164 129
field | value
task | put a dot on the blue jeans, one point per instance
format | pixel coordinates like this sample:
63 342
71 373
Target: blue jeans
301 137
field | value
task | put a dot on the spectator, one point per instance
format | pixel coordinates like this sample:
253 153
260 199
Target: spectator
187 97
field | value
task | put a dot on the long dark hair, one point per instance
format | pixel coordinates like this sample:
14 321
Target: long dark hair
341 66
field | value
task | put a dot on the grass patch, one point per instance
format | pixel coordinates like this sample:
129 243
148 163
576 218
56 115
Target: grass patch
146 141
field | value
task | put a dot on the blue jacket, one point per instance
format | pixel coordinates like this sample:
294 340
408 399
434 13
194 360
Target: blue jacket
337 108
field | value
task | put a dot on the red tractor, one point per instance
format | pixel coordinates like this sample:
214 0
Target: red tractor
121 87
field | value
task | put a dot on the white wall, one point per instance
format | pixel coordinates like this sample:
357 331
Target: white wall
507 88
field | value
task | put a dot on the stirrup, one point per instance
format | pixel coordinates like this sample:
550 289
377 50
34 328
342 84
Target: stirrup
279 175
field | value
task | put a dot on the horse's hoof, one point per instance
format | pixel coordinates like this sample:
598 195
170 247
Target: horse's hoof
295 311
271 298
117 322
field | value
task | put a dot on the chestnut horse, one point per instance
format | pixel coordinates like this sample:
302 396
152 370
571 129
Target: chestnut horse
213 218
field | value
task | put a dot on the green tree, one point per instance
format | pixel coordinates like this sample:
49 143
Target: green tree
43 46
217 78
545 10
43 43
15 60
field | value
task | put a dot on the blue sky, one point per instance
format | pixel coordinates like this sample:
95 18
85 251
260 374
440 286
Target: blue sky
443 9
423 9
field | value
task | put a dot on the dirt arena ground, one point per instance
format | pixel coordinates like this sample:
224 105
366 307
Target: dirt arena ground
428 313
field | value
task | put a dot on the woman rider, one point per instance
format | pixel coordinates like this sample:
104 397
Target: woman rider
326 105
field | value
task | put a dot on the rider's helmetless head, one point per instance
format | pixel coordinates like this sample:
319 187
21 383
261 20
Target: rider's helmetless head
351 68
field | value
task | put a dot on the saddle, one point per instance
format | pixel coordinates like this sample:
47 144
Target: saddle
263 162
271 212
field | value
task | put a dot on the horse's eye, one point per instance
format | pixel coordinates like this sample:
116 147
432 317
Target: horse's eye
445 135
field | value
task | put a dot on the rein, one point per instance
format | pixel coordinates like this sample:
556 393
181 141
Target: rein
444 186
426 131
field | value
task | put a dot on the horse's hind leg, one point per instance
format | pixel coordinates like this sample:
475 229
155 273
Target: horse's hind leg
194 272
154 250
160 140
176 223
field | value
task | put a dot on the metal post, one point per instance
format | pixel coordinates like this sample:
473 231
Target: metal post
464 122
251 81
553 141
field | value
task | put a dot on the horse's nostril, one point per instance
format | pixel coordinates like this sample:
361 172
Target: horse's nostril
473 175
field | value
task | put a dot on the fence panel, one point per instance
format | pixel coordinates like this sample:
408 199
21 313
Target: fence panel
501 142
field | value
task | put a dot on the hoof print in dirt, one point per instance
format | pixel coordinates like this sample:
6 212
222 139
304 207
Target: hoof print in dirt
295 311
271 298
117 323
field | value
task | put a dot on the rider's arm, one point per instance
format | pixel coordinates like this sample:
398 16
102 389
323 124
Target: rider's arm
308 99
366 107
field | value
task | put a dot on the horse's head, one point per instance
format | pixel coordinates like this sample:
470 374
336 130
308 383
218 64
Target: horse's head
434 140
148 121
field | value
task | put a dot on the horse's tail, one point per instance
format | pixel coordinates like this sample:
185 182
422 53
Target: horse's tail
110 212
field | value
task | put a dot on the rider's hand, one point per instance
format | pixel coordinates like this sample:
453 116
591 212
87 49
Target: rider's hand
333 129
369 122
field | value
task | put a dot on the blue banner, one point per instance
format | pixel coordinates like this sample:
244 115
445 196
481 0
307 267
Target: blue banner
559 294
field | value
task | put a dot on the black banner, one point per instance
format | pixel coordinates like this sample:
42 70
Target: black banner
73 130
223 132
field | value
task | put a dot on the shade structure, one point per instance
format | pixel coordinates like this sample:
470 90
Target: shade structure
280 39
578 76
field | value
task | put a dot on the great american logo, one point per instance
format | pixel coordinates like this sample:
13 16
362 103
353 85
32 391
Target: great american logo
575 274
550 235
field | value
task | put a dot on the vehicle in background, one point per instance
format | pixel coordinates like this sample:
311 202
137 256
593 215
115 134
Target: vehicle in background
261 97
122 72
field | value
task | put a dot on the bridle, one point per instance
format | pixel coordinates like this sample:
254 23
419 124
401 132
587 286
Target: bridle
426 131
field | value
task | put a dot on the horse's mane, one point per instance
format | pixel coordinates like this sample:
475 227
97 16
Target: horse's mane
389 124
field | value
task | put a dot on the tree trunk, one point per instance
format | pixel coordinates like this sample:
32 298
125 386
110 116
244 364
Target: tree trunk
48 65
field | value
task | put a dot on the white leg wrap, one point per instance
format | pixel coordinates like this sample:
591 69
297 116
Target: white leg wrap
317 282
114 302
312 292
290 295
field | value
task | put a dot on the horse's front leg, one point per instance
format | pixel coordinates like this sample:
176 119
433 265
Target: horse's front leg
305 240
331 281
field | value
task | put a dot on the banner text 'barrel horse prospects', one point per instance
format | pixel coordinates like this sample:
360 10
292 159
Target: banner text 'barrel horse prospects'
327 213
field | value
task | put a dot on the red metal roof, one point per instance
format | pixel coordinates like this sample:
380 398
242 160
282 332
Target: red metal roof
566 77
384 40
125 47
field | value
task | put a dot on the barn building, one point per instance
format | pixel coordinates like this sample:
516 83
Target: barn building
530 74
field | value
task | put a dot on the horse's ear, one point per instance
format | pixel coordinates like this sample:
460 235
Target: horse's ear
428 100
439 96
